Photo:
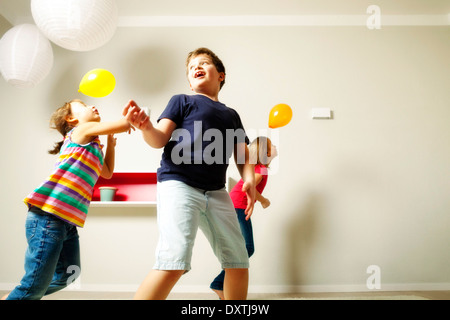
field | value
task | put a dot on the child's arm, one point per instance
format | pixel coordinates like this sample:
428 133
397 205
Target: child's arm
259 197
84 132
155 136
247 172
109 160
264 201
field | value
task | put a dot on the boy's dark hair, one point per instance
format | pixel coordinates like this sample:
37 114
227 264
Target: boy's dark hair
215 59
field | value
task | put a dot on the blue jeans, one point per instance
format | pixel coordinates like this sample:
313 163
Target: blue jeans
247 232
53 247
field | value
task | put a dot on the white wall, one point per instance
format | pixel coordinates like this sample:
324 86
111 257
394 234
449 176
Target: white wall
369 187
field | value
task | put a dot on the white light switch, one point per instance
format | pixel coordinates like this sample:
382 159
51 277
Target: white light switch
321 113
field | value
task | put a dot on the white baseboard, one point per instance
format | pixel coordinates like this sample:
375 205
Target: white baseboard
258 288
350 288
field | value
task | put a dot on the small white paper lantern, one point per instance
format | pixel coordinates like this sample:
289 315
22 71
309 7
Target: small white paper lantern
26 56
78 25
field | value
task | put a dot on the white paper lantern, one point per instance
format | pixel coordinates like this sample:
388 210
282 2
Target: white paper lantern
78 25
26 56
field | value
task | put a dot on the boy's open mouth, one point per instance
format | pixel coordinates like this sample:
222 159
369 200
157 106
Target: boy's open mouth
199 74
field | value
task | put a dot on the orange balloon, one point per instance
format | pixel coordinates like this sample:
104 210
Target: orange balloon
280 115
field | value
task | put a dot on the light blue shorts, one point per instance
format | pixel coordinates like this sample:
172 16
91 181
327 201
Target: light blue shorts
182 209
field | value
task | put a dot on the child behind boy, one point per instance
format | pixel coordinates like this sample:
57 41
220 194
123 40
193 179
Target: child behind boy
262 152
191 184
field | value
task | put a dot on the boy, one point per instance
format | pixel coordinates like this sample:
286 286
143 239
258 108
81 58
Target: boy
191 180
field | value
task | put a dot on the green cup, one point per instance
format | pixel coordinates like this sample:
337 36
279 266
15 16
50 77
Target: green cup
107 193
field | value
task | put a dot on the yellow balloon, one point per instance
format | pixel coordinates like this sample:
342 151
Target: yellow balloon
280 115
97 83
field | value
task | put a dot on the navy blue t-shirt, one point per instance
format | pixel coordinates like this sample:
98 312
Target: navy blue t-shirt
202 143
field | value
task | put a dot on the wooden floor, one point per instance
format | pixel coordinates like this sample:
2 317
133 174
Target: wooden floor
378 295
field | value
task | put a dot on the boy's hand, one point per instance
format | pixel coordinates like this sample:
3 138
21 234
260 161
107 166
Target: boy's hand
249 189
136 116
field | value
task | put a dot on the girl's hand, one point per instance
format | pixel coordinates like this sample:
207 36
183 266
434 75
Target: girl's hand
131 129
265 203
111 140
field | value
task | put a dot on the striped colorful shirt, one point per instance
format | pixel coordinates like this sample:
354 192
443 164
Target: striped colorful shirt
68 190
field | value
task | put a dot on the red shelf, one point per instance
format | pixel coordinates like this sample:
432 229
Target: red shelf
132 186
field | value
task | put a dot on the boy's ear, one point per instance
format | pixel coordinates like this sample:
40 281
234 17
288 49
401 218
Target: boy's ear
222 76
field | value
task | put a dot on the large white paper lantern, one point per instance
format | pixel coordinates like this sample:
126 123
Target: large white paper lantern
78 25
26 56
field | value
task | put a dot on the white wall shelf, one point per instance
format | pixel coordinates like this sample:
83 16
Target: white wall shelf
122 204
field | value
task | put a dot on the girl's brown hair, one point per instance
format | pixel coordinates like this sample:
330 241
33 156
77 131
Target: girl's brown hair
59 122
259 151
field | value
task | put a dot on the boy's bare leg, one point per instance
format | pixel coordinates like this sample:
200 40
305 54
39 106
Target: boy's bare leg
235 286
158 284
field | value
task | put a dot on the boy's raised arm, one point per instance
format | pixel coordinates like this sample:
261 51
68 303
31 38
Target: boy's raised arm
155 136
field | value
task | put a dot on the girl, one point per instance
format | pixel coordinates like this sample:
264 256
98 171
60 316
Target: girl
61 203
262 152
